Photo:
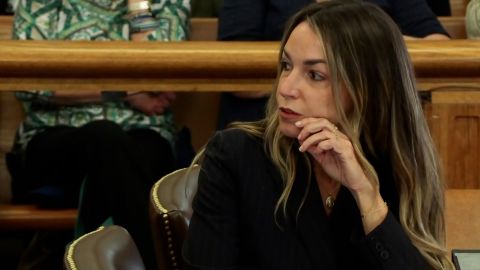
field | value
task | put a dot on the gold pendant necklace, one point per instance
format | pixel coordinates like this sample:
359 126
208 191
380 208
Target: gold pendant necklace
330 201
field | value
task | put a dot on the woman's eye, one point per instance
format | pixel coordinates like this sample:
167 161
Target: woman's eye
316 76
285 65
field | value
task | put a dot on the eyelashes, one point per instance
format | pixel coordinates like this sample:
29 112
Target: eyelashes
285 65
311 74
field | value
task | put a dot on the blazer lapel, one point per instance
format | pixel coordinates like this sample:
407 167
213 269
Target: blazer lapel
312 225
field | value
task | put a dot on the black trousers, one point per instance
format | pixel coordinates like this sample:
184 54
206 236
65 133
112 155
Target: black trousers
118 168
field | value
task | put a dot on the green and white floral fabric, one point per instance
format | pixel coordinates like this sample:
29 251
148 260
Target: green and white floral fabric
98 20
472 19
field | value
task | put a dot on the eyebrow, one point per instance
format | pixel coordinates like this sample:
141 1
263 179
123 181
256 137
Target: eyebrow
308 62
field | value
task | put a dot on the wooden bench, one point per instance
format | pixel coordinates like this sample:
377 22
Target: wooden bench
30 217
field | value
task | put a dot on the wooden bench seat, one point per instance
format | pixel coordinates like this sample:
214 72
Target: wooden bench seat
30 217
462 219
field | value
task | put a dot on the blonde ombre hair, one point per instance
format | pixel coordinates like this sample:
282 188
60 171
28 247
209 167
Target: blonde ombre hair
367 56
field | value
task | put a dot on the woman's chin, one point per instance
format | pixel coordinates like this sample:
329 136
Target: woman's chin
288 130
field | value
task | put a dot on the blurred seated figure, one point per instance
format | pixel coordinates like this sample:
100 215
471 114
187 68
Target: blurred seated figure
7 6
115 144
440 7
472 19
206 8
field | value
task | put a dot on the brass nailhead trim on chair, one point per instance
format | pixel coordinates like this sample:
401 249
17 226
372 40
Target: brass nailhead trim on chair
171 251
71 248
163 210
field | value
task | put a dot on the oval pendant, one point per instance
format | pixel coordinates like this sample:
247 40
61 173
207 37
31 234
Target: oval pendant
330 201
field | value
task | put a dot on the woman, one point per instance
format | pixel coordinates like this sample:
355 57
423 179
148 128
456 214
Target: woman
341 174
264 20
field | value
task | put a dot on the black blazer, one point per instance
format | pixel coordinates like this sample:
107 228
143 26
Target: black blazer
234 226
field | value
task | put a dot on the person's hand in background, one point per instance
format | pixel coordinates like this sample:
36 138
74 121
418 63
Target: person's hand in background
151 103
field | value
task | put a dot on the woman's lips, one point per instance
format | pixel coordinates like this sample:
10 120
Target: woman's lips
289 114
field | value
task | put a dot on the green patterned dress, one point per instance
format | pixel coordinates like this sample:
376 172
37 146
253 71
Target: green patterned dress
98 20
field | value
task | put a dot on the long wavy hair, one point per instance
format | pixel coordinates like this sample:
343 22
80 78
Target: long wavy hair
367 56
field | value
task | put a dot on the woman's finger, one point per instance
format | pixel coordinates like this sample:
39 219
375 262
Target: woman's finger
311 125
314 139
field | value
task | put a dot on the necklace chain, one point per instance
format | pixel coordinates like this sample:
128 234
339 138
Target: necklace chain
324 185
332 196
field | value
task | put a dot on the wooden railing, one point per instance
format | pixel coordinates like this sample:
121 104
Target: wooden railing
157 66
195 66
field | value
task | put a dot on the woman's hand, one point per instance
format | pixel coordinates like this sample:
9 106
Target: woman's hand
333 150
151 103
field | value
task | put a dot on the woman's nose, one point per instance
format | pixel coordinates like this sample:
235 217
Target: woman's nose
288 86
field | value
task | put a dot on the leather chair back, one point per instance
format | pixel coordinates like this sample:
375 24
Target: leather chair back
171 210
107 248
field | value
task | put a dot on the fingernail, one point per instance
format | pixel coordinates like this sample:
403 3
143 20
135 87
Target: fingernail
300 149
298 123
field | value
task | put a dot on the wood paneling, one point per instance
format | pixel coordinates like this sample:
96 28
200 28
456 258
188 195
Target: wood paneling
203 29
454 119
198 112
458 7
5 27
462 218
455 26
10 115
